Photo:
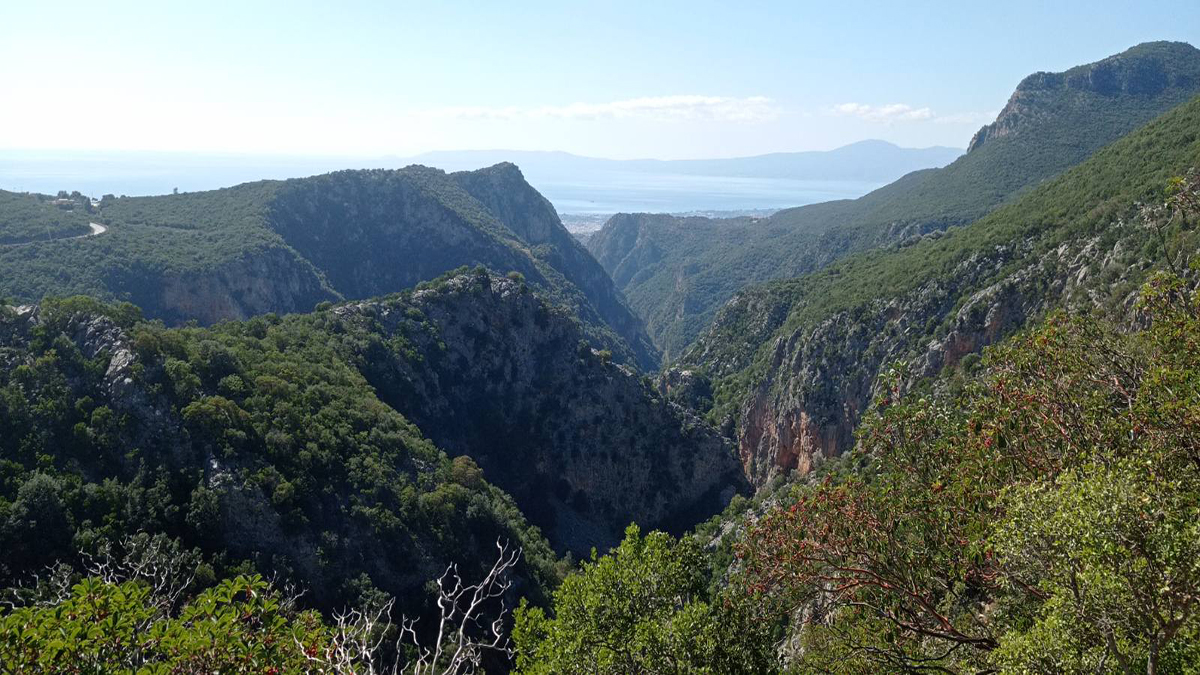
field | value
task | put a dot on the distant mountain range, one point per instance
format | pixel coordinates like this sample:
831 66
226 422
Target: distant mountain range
573 184
374 375
868 161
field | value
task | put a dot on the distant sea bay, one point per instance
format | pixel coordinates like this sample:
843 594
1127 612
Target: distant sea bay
621 191
588 195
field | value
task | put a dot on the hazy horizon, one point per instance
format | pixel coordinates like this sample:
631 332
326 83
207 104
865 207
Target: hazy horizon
18 152
575 184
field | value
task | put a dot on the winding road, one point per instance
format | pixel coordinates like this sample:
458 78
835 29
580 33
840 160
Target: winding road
97 229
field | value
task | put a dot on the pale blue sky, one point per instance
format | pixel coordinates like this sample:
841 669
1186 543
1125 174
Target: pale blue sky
618 79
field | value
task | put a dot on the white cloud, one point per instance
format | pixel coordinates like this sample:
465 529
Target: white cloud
658 108
902 112
892 112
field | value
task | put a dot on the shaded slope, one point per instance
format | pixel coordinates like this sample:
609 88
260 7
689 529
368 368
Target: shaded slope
255 441
486 368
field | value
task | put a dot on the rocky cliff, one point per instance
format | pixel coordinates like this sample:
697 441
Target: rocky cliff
376 232
503 191
487 369
250 443
274 279
1147 71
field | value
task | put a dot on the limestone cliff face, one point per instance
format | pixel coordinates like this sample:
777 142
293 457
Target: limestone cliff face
487 369
678 272
1154 69
797 363
503 190
272 280
284 246
377 232
820 381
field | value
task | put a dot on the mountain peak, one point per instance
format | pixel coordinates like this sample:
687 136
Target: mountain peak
1147 70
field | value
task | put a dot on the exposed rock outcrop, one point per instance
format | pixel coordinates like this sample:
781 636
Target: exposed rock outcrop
819 382
1145 71
486 368
503 190
678 272
272 280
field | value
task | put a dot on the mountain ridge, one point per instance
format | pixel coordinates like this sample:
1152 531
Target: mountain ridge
690 272
284 246
796 363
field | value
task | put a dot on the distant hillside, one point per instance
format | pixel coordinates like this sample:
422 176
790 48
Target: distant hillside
26 218
283 246
678 274
868 161
796 363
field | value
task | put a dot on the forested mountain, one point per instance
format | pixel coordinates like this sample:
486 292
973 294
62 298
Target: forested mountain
312 445
677 273
1030 511
283 246
796 363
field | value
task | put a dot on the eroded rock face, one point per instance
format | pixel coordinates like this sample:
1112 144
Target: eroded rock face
487 369
271 280
521 208
377 232
820 381
1148 70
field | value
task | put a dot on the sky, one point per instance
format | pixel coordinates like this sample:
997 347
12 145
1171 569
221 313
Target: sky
621 79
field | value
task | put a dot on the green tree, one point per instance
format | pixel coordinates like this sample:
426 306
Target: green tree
242 625
643 608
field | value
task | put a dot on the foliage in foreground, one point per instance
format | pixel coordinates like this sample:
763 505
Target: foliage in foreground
644 608
241 625
128 614
1045 522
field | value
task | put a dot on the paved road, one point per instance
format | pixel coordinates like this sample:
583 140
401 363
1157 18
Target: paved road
97 229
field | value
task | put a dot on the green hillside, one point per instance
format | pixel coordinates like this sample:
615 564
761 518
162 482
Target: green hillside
28 217
815 345
256 443
678 273
312 445
284 246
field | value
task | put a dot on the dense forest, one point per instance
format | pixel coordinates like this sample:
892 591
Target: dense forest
25 218
1003 527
